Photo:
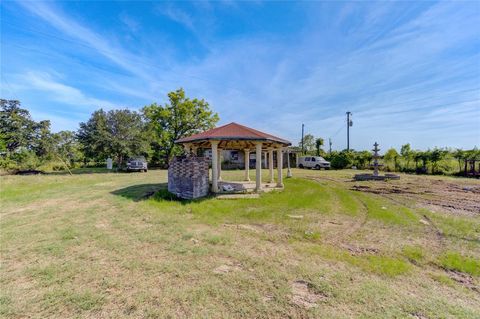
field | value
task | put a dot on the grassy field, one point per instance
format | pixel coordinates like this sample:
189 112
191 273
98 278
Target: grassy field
97 245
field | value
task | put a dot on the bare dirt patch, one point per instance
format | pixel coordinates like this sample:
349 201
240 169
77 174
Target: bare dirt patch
428 192
464 279
227 268
357 250
303 295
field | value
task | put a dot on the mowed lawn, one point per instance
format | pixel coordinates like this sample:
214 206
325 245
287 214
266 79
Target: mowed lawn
106 245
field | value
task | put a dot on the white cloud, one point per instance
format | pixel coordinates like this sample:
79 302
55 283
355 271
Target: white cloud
132 24
60 92
75 30
176 15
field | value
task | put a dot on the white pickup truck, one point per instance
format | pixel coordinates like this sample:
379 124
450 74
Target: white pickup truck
316 162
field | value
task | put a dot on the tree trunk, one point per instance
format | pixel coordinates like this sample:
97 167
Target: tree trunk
119 162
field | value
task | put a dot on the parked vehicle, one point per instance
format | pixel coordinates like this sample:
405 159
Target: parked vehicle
316 162
137 164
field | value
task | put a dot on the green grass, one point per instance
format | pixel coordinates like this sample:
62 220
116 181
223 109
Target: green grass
414 253
375 264
94 244
455 261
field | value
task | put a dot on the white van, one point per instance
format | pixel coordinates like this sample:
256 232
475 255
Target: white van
316 162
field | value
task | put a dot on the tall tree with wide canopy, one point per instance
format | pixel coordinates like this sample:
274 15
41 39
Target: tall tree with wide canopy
67 147
116 133
179 118
17 129
308 144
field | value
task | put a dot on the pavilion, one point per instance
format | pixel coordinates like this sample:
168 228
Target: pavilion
234 136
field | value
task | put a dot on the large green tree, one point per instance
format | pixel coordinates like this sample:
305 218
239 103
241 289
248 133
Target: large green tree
116 133
308 144
17 129
67 147
24 143
179 118
436 155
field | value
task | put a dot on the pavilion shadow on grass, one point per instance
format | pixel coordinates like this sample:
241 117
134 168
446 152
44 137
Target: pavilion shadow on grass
234 136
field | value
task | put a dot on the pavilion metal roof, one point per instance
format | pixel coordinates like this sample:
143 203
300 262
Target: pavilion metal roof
233 132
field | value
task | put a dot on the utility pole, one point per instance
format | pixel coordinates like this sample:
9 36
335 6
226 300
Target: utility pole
330 145
349 123
303 148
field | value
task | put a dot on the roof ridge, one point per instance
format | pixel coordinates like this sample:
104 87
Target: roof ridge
241 131
258 131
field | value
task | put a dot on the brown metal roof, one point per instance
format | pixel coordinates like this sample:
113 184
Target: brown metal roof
233 131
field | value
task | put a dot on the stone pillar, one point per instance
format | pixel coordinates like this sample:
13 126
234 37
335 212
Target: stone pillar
247 164
279 167
214 166
219 164
270 164
258 166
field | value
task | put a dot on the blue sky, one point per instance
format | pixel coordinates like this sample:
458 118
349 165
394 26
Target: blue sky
408 71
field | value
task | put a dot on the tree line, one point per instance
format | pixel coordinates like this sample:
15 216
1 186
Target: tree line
152 132
431 161
118 134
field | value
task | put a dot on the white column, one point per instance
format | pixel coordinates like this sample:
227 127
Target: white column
270 164
279 167
214 166
258 166
219 165
247 164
